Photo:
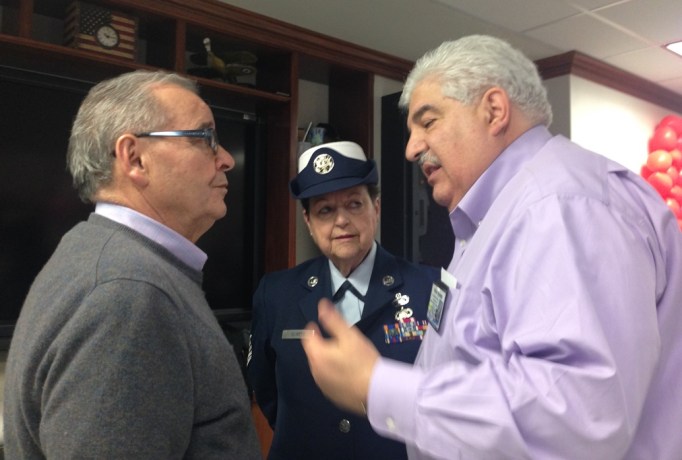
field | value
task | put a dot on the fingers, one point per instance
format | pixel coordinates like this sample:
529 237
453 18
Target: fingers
330 318
341 365
320 351
312 341
331 321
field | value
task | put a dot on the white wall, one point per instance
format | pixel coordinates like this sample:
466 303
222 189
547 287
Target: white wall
559 94
604 120
313 106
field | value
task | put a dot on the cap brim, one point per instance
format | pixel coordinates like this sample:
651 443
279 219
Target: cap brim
334 185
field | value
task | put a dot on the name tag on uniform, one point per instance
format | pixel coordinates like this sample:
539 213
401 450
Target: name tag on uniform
296 334
439 294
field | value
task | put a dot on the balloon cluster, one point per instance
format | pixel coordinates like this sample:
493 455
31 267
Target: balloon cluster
663 167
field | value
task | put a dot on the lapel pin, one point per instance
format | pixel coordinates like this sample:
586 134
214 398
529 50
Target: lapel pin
404 312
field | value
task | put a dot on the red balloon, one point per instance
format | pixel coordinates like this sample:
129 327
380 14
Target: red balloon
664 138
659 160
673 121
676 155
661 182
676 193
645 172
674 174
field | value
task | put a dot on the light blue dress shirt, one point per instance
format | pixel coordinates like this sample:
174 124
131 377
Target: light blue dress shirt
562 338
350 306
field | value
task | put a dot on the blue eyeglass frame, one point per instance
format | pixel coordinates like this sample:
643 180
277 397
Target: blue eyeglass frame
208 134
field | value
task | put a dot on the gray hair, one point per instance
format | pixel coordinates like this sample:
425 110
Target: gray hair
124 104
468 67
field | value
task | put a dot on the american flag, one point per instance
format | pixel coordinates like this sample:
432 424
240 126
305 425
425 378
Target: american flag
83 20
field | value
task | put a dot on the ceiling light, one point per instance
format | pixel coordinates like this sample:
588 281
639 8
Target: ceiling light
675 47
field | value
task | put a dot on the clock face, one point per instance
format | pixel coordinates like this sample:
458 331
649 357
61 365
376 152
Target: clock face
107 36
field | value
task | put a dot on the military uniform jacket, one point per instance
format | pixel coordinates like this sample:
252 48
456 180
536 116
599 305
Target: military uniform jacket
306 424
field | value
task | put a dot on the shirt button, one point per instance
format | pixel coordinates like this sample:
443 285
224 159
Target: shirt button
390 424
344 426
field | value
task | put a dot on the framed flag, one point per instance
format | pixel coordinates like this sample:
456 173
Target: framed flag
99 29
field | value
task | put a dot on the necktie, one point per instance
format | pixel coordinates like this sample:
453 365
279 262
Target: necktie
347 286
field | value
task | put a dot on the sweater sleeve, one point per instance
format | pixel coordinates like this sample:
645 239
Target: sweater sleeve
118 383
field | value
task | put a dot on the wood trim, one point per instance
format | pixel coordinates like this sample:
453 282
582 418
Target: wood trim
351 109
581 65
17 18
180 38
253 27
25 18
263 429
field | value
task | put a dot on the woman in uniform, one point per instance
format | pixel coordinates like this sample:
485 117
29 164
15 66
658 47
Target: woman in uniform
384 296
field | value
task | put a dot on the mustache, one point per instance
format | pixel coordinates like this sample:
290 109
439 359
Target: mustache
428 157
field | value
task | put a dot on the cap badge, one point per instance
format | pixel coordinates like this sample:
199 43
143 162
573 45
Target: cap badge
323 164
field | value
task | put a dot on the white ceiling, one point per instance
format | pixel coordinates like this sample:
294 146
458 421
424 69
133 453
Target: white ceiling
629 34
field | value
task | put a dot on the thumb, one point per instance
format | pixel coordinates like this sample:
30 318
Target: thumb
330 319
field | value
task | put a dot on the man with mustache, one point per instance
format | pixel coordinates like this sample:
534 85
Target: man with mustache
116 353
556 331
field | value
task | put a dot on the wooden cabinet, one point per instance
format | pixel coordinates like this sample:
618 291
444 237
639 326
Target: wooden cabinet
169 32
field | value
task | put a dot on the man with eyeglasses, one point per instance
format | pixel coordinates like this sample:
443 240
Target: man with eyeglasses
116 353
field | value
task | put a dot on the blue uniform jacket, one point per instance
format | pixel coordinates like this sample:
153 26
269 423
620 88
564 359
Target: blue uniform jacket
306 424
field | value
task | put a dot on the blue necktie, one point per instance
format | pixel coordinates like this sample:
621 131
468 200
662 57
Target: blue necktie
350 309
347 286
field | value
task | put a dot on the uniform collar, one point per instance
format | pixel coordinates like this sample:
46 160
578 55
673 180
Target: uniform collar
360 277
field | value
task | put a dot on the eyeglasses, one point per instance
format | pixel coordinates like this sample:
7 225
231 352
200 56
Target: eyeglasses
208 134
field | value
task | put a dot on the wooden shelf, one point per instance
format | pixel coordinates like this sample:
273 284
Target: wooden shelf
169 32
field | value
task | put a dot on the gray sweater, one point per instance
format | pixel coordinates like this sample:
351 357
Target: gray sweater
117 354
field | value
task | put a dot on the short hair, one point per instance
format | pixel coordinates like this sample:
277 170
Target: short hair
373 190
466 68
111 108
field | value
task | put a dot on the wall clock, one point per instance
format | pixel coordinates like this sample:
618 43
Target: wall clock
107 36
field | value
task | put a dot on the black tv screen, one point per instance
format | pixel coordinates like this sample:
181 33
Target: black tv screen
38 203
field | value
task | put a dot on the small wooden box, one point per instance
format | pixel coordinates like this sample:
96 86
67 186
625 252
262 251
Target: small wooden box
100 29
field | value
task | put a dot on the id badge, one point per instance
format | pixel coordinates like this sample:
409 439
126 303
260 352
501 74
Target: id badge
439 294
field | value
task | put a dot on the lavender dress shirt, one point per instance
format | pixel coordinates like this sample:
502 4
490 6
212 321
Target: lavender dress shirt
563 336
178 245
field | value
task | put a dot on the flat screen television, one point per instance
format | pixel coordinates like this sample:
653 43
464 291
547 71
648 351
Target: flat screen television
38 203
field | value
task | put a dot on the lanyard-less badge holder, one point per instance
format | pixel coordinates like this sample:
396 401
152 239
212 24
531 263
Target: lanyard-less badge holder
439 294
